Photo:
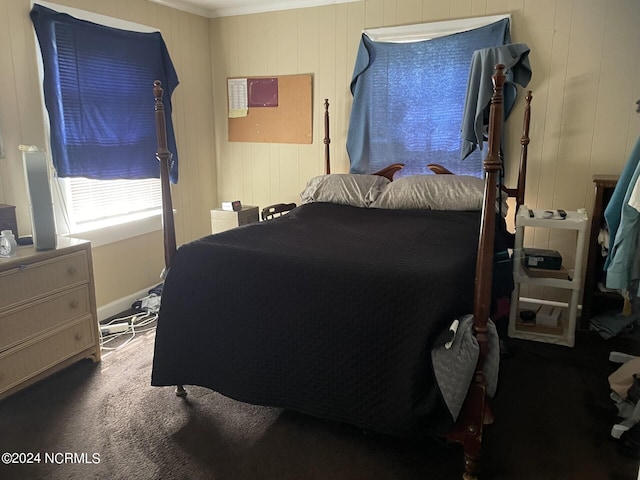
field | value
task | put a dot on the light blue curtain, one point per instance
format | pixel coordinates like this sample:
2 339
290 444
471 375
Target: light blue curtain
475 117
408 100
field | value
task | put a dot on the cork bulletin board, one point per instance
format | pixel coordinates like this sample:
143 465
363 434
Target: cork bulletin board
279 112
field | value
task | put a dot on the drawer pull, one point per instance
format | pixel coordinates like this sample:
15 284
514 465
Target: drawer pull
78 336
73 304
72 270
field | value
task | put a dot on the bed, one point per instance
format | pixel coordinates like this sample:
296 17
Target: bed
357 306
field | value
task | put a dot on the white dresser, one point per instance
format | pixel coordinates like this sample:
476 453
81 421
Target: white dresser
48 314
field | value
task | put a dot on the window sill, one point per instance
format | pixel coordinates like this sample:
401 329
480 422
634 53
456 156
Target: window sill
100 235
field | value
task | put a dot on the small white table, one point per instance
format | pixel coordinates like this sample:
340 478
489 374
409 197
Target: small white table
222 220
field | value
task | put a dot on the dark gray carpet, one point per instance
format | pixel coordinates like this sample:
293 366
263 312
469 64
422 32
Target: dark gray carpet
553 417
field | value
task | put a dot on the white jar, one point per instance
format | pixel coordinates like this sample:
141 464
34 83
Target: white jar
8 244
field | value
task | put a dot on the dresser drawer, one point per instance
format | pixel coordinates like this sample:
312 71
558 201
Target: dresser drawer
26 322
20 364
32 280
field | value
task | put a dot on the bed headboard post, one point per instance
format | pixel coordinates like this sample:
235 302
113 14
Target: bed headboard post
327 139
524 142
484 265
164 157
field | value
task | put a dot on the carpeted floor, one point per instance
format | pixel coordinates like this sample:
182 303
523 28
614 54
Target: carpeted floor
105 421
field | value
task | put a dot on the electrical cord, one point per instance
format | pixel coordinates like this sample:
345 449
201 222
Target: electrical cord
139 323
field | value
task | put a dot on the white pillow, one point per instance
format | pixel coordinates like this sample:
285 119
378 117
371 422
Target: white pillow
345 189
435 192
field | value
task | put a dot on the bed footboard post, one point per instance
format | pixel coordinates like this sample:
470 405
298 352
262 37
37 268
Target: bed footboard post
484 274
475 410
484 264
164 157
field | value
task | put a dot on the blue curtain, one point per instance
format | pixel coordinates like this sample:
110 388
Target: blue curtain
98 90
408 100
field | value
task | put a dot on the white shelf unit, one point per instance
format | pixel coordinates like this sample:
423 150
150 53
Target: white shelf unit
564 334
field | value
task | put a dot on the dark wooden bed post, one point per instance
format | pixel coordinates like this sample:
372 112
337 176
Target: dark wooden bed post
518 192
484 265
327 138
524 142
475 411
164 157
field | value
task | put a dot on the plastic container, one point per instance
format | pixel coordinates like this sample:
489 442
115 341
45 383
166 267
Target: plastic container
8 244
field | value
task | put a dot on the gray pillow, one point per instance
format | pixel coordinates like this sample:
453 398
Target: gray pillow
344 189
435 192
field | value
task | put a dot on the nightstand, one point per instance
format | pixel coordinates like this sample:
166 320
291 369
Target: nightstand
567 279
222 220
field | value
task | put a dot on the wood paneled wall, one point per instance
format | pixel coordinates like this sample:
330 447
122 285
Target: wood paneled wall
126 267
585 71
585 85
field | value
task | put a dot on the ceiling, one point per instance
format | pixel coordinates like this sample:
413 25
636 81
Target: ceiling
226 8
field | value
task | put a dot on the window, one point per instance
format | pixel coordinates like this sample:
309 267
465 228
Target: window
93 203
98 74
409 87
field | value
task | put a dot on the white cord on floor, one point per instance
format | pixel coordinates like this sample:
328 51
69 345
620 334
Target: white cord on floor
138 323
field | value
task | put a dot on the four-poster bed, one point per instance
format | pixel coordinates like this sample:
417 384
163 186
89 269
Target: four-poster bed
341 311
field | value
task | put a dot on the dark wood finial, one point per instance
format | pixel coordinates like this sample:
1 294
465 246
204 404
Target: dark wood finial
327 139
157 91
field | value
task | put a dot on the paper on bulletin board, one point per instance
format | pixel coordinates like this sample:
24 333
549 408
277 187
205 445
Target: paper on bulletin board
263 92
238 98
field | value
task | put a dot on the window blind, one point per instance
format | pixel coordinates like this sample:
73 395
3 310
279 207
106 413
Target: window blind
98 201
98 84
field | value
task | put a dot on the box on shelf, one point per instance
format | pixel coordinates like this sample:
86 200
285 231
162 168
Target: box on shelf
541 258
547 319
548 315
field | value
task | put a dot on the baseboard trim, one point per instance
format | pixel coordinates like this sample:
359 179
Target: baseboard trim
112 309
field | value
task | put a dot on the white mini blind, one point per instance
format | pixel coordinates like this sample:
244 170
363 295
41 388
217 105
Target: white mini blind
102 200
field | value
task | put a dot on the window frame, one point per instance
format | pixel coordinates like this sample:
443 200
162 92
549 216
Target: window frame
99 232
430 30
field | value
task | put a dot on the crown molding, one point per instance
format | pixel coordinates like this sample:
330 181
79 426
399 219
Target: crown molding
228 8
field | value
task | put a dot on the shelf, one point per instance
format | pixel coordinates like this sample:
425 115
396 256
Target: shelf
544 334
521 275
564 332
559 335
540 329
573 221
